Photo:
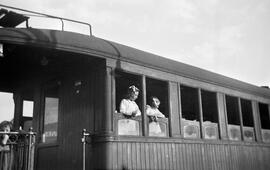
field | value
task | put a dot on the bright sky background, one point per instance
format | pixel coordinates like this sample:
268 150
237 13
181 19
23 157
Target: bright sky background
227 37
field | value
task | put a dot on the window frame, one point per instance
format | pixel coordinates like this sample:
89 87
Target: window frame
217 116
199 123
46 86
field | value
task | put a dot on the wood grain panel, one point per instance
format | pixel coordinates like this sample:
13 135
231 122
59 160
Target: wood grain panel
190 156
174 109
46 158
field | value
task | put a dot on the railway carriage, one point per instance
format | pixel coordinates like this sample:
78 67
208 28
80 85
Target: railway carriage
77 81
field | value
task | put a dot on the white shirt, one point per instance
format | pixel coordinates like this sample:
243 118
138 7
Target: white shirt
129 107
150 111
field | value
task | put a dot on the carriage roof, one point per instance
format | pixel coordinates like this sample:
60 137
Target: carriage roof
91 45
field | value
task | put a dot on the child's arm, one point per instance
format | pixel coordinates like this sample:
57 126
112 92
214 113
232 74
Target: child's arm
5 139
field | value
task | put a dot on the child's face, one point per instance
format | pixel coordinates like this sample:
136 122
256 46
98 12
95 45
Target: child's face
6 129
134 95
155 103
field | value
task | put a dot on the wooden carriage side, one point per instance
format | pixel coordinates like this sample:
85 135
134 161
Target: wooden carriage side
89 98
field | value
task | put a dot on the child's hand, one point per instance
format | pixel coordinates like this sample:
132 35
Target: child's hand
5 139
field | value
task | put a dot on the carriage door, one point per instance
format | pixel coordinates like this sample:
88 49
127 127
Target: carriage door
67 110
77 113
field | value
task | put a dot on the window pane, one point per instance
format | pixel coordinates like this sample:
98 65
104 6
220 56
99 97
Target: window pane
247 117
28 108
6 106
190 103
190 112
210 114
51 115
232 110
264 115
209 106
233 118
247 112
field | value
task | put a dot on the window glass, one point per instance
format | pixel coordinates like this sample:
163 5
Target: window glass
247 114
51 108
210 114
232 110
264 115
233 118
190 103
190 112
157 107
6 106
247 117
209 106
265 121
28 107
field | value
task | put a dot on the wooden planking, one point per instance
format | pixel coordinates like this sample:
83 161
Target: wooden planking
190 156
46 158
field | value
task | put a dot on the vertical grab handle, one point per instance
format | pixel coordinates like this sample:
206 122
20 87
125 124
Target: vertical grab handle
85 134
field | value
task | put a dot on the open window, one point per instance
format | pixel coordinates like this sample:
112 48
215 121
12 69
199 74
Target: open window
6 106
190 111
247 117
233 117
210 114
157 118
127 125
265 121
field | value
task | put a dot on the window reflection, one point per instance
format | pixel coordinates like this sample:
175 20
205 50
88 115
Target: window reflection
51 107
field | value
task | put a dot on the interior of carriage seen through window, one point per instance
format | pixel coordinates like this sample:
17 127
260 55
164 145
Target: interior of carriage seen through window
233 118
210 115
248 121
265 121
128 107
190 111
157 110
199 111
128 119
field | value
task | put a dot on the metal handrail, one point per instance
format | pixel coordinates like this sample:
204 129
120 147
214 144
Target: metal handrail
25 140
51 16
85 135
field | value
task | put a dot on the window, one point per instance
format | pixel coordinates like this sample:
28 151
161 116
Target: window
233 118
265 121
127 124
190 111
51 111
210 114
6 106
28 107
247 117
157 123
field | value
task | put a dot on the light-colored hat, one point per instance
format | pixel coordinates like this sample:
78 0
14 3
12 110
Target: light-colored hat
133 89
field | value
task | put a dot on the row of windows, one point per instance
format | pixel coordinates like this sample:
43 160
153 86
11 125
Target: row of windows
199 111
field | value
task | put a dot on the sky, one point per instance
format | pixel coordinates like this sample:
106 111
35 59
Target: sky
226 37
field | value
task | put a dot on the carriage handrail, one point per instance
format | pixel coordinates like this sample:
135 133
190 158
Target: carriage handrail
85 135
51 16
24 144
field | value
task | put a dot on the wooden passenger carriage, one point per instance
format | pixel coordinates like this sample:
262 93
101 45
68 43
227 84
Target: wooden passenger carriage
77 81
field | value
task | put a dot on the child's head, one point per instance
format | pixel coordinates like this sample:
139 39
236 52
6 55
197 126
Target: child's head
5 126
133 92
155 102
